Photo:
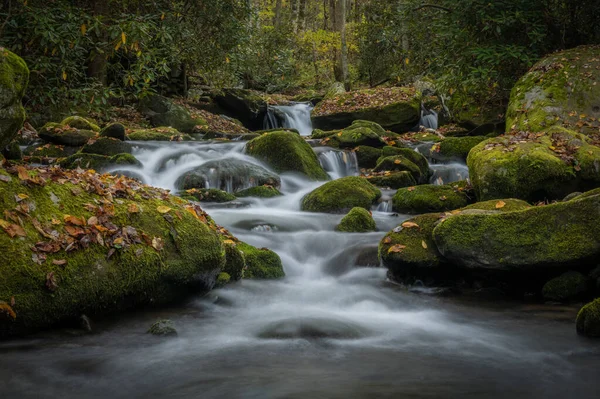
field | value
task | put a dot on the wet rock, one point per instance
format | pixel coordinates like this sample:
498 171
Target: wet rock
97 162
393 180
12 152
208 195
14 77
245 105
456 147
409 161
162 111
114 130
80 123
287 152
27 135
235 262
50 150
61 134
312 328
163 328
431 198
339 196
261 263
367 257
107 146
588 319
259 192
367 156
222 280
159 134
228 174
358 220
569 286
505 205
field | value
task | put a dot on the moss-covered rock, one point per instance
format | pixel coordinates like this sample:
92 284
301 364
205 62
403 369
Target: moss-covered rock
162 328
393 180
207 195
534 166
14 78
287 152
246 105
235 262
431 198
560 90
358 220
107 146
339 196
569 286
319 134
261 263
357 135
259 192
538 238
405 160
397 109
78 251
457 147
367 156
80 123
60 134
12 152
504 205
50 151
97 162
588 319
162 111
114 130
159 134
229 174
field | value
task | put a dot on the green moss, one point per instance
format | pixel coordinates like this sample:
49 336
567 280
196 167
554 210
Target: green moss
588 319
408 154
14 78
505 205
367 156
341 195
12 152
555 235
235 263
358 220
65 135
569 286
222 279
459 147
374 127
261 263
319 134
431 198
162 328
159 134
358 135
97 162
50 151
79 123
91 282
208 195
162 111
259 192
287 152
114 130
107 146
393 180
400 164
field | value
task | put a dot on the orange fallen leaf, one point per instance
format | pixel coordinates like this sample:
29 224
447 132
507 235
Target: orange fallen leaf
408 225
424 244
59 262
411 189
397 162
74 220
396 248
500 204
157 243
387 240
133 208
163 209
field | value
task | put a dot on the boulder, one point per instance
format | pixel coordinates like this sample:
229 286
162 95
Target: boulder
287 152
339 196
431 198
159 134
259 192
12 152
107 146
235 263
162 328
535 239
80 123
14 77
260 263
405 160
97 162
230 175
245 105
367 156
569 286
397 109
455 147
59 134
588 319
358 220
114 130
50 151
504 205
162 111
77 251
561 89
534 166
393 180
334 90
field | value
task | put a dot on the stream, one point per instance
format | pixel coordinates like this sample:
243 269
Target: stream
333 328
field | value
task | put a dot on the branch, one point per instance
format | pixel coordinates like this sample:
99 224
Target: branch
449 10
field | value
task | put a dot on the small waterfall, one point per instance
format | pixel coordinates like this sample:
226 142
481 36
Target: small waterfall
448 173
385 206
294 116
429 119
339 163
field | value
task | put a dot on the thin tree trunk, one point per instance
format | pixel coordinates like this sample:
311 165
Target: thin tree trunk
98 64
277 20
295 15
302 16
341 58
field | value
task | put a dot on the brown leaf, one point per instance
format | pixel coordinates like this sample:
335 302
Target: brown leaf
387 240
92 221
163 209
74 220
408 225
22 172
500 204
59 262
424 244
396 248
411 189
157 243
51 281
12 230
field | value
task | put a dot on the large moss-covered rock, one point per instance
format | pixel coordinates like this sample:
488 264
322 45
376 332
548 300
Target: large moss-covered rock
80 123
162 111
341 195
552 236
405 160
456 147
12 152
50 150
431 198
588 319
358 135
261 263
534 166
96 244
287 152
14 77
358 220
159 134
114 130
59 134
235 262
562 89
396 109
504 205
367 156
569 286
246 105
98 162
227 174
393 180
107 146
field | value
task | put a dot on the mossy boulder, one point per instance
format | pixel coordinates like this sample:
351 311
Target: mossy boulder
159 134
114 130
162 111
358 135
245 105
367 156
397 109
504 205
12 152
207 195
456 147
80 123
358 220
393 180
79 251
59 134
97 162
14 78
261 263
534 166
431 198
339 196
50 151
287 152
569 286
235 262
259 192
559 90
588 319
319 134
538 238
405 159
163 328
228 174
107 146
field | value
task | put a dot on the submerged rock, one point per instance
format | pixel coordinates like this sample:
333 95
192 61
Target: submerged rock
312 328
163 328
287 152
341 195
14 78
588 319
358 220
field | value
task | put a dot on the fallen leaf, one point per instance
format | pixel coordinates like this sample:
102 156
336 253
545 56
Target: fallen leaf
163 209
22 173
387 240
396 248
157 243
409 225
411 189
5 179
51 281
443 198
397 162
229 242
74 220
59 262
424 244
92 221
500 204
133 208
56 222
12 230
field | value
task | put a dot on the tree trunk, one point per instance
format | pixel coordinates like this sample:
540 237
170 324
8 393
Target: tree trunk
294 5
302 16
277 20
341 58
97 67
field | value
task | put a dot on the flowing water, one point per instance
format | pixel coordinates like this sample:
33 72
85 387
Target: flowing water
294 116
333 328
